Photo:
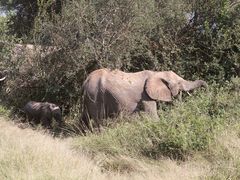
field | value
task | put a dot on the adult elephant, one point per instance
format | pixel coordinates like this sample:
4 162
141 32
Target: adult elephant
42 112
108 92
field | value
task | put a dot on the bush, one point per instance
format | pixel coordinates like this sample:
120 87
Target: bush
129 35
186 128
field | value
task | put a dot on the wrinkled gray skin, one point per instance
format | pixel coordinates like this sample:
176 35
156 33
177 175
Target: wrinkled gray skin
42 112
108 92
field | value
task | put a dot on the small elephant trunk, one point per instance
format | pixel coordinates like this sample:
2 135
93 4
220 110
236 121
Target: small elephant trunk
56 112
58 118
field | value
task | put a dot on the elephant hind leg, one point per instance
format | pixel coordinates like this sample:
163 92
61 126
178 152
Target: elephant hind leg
85 121
93 117
93 111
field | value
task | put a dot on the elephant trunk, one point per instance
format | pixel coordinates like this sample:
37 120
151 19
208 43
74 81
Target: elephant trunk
58 115
58 118
191 85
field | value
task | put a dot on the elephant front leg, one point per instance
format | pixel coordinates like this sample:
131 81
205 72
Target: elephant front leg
46 123
31 120
151 108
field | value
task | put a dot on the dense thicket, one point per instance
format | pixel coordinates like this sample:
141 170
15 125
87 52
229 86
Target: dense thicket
188 127
25 11
196 39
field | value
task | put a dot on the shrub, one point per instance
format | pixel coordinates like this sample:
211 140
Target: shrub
186 128
129 35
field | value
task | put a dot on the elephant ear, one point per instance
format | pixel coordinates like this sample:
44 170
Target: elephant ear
174 88
157 89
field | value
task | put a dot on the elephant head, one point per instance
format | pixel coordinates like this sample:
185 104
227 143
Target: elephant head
163 86
56 112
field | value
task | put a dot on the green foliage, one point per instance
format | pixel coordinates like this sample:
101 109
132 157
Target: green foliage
4 111
210 46
3 26
22 21
185 128
5 44
129 35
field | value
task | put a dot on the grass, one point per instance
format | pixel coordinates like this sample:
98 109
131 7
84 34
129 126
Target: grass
200 126
4 111
195 139
28 154
25 154
182 130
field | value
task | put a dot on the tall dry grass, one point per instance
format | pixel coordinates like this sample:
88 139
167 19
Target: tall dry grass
25 154
28 154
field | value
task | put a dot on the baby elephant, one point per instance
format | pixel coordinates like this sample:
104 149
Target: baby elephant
42 112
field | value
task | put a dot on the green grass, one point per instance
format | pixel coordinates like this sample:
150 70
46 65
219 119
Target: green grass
4 111
203 129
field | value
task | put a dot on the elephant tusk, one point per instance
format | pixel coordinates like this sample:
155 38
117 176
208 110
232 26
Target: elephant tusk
2 79
189 93
8 90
